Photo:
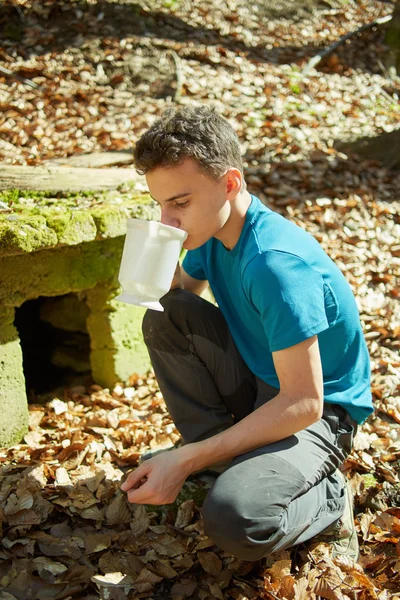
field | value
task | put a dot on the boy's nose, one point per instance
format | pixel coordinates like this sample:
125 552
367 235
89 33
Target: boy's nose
169 221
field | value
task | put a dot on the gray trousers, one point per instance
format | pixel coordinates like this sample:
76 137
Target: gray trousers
271 498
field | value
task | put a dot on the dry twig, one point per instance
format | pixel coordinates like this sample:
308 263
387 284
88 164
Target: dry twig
179 76
9 73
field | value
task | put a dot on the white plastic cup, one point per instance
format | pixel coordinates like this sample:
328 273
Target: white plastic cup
149 258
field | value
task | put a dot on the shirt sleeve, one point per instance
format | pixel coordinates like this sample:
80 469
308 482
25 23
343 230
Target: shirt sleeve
193 264
289 296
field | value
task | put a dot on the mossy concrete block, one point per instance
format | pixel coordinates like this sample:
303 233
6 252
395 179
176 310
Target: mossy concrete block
115 329
73 227
63 248
37 220
68 313
110 220
72 357
58 271
13 402
117 347
25 234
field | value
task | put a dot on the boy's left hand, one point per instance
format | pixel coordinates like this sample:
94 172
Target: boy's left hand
157 480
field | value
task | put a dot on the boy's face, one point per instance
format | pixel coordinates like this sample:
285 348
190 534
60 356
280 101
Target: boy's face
191 200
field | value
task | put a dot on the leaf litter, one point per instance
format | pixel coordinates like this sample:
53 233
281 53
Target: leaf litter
67 529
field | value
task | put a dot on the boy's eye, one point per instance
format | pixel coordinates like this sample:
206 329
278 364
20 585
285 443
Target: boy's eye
182 204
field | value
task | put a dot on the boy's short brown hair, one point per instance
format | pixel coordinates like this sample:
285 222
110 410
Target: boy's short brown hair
197 132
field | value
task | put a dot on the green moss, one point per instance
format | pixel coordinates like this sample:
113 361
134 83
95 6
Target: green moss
58 271
38 219
14 195
115 329
110 220
9 196
369 480
191 490
25 235
16 436
13 402
72 227
7 316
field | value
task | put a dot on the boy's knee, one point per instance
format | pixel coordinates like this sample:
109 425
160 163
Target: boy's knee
155 320
167 330
234 525
151 323
182 310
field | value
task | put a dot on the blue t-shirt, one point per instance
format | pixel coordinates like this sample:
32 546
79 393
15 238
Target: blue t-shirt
276 288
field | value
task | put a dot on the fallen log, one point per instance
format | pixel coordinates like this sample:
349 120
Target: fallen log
64 179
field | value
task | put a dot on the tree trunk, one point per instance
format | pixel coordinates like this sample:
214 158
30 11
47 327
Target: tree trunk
392 39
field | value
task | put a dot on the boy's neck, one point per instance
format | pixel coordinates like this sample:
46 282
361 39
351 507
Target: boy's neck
230 233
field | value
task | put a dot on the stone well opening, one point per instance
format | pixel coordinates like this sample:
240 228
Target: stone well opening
61 324
55 342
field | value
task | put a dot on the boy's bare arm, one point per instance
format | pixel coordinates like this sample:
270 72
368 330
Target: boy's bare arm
184 281
298 405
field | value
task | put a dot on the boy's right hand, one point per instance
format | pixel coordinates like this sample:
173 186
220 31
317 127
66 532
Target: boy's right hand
177 279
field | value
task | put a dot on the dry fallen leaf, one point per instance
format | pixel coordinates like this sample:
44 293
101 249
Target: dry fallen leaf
185 514
210 562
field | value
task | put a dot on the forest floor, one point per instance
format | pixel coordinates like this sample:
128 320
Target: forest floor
102 71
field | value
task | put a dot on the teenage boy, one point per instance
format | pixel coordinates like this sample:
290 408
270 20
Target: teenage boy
274 381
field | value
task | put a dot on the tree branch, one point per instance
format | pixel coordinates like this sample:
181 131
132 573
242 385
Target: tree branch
317 59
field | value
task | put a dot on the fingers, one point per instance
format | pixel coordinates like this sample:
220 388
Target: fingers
138 488
135 477
153 482
143 495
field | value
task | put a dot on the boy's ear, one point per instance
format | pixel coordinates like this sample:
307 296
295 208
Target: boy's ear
233 182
